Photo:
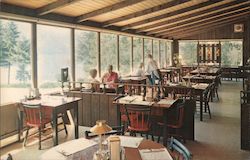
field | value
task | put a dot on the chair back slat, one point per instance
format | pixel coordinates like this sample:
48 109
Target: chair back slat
138 116
33 114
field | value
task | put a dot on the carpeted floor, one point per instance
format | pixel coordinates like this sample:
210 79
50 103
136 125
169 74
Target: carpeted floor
215 139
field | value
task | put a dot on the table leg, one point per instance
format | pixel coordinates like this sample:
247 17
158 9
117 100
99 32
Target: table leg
201 106
76 121
55 129
165 134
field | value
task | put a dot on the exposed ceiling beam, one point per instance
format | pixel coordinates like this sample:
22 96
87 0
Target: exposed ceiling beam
23 14
167 15
204 26
145 12
205 29
198 25
54 5
107 9
194 15
216 16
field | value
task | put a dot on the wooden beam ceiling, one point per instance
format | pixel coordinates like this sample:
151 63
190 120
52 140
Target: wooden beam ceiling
202 26
145 12
54 5
215 16
216 21
107 9
216 9
163 16
208 28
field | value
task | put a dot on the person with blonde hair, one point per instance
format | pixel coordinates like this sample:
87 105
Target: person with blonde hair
95 84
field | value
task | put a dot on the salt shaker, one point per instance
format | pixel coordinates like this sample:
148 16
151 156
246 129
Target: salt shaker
114 148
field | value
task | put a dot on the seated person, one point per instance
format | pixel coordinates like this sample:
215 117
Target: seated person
94 82
139 72
110 77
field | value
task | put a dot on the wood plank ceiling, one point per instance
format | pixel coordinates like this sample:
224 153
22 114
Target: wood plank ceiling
157 18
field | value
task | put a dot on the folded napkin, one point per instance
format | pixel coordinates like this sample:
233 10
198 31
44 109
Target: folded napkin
155 154
131 142
74 146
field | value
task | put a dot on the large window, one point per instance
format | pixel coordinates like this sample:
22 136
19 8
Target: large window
231 53
108 51
54 53
188 52
156 50
169 51
15 61
137 52
163 57
125 55
86 58
147 48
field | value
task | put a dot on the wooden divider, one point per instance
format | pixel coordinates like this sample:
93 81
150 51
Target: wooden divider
95 106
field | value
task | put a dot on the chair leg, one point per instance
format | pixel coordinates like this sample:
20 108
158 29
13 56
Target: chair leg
147 135
40 132
209 111
64 125
158 139
26 137
152 137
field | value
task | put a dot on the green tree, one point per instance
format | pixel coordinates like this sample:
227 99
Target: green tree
9 35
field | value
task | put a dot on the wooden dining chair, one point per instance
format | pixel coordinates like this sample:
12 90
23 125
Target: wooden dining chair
175 127
139 118
178 150
116 130
207 93
37 117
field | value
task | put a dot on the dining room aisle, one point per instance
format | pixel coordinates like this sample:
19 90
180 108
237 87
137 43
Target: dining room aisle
219 138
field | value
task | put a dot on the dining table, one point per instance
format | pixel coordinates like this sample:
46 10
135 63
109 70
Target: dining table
199 78
212 71
59 104
84 149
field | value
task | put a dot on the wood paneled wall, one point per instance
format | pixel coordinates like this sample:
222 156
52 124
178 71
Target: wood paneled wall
96 106
227 32
8 120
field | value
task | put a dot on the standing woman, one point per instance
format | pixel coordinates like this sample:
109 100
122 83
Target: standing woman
152 70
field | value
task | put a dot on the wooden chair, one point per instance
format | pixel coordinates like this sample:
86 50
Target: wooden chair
179 151
139 118
117 130
38 116
206 99
175 126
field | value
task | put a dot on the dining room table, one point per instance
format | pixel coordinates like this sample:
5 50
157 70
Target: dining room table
199 78
132 148
212 71
58 104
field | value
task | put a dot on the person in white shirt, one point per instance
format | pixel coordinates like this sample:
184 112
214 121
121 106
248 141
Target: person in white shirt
152 70
139 72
